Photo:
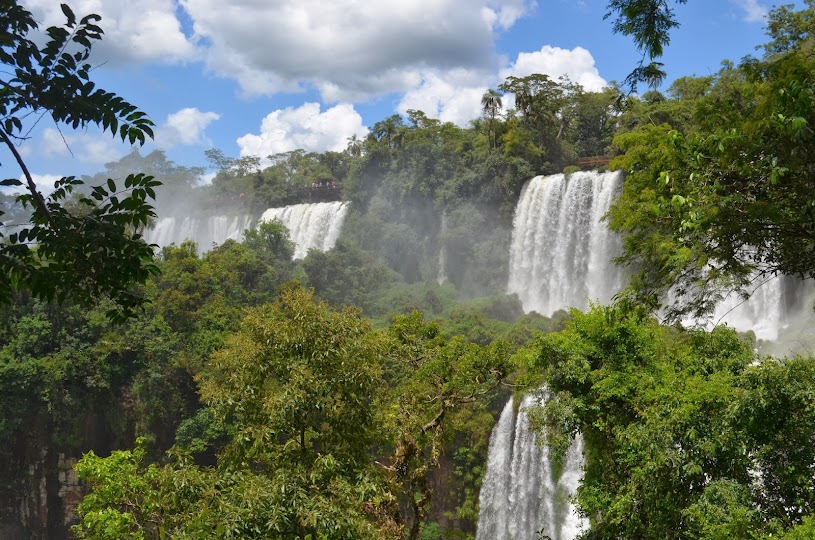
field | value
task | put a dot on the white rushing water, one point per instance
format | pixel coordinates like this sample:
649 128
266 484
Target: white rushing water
561 251
441 278
523 491
561 256
311 226
206 232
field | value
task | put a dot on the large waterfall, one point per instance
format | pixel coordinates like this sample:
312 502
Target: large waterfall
524 491
311 226
561 251
206 232
561 256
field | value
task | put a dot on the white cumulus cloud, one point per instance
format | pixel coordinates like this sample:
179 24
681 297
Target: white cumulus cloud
147 30
304 127
90 146
44 183
184 127
348 49
577 64
753 10
454 96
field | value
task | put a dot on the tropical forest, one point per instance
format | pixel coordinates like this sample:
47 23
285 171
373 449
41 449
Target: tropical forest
586 315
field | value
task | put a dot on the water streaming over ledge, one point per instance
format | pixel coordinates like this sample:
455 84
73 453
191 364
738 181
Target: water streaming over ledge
205 232
561 256
311 226
524 491
441 278
561 251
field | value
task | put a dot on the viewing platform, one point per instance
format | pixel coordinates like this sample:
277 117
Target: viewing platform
593 162
314 194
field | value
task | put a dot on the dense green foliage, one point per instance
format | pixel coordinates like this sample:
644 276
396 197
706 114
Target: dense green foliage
351 394
718 195
688 434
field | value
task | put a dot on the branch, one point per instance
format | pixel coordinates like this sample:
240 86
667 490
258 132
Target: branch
32 187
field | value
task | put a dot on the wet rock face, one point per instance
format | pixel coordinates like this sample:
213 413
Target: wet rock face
42 504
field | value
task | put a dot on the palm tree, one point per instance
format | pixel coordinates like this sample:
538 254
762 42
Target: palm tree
490 105
354 147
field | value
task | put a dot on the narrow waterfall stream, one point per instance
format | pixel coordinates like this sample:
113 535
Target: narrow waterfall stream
441 278
524 490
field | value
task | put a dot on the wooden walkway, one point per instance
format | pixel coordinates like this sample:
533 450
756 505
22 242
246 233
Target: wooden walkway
593 162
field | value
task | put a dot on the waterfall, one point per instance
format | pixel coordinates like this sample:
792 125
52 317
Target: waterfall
774 304
523 490
561 256
206 232
442 275
561 251
311 226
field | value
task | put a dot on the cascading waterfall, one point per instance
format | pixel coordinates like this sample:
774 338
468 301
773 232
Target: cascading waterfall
561 256
561 251
764 313
311 226
441 278
206 232
523 490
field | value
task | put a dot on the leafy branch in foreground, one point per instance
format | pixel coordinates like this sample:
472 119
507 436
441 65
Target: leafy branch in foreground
649 22
86 250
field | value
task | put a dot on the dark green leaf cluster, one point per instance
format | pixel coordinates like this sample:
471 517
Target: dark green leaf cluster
718 196
91 251
649 22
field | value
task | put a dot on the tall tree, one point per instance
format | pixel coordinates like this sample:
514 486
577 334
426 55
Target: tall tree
676 424
491 105
295 388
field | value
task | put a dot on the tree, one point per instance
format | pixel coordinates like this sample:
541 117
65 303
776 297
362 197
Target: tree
676 424
386 130
355 146
438 379
490 106
725 202
296 388
547 110
92 251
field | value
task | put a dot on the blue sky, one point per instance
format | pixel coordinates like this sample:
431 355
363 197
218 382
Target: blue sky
254 77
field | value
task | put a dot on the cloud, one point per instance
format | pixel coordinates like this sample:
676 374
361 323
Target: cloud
147 30
184 127
304 127
347 49
577 63
454 96
44 182
753 11
89 147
